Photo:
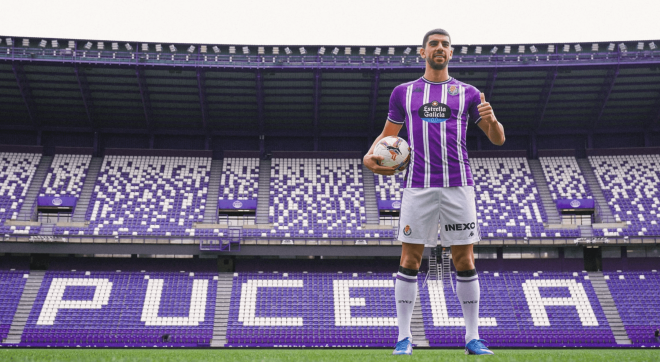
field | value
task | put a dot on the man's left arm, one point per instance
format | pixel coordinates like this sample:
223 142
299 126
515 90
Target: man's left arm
489 124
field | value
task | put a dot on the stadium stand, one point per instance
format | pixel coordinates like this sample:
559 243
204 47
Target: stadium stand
521 309
508 204
637 297
389 187
123 309
312 309
16 172
316 197
630 186
240 179
66 176
564 178
147 195
12 283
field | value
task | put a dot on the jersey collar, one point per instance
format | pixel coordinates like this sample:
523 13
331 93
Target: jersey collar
428 81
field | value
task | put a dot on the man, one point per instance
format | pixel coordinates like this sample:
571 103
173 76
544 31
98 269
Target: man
436 110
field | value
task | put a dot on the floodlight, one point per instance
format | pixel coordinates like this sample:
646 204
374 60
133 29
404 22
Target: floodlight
578 47
610 47
507 49
276 50
347 51
640 45
54 43
623 47
464 50
115 46
191 49
43 43
216 49
261 50
288 51
145 47
567 48
551 48
477 50
88 45
10 42
335 51
321 50
128 47
652 45
390 51
100 45
377 51
246 50
26 42
420 48
232 50
363 51
302 50
407 51
494 50
594 47
203 49
521 49
173 48
533 49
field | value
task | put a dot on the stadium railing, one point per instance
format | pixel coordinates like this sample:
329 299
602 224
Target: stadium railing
188 240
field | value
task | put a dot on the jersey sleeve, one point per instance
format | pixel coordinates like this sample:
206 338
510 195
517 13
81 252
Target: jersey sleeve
397 113
474 99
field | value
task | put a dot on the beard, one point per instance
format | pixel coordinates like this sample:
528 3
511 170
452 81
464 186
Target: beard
435 65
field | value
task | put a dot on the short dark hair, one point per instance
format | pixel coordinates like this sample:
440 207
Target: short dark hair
435 31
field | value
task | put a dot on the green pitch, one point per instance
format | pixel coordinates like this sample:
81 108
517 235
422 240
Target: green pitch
338 355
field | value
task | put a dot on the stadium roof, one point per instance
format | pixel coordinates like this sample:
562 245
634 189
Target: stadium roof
82 86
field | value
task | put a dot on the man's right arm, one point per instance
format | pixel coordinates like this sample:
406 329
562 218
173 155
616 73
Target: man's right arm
371 161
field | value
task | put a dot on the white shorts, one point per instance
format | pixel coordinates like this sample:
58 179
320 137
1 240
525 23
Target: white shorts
453 207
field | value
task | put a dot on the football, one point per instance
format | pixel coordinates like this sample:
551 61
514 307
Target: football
395 151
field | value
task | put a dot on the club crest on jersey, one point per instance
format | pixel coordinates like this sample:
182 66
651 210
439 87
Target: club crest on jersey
407 230
434 112
453 90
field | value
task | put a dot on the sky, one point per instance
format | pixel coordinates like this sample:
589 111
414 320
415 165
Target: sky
334 22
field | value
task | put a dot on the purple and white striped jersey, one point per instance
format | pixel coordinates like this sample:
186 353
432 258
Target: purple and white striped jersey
436 116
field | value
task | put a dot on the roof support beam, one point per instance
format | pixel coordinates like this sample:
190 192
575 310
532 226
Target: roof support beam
545 97
606 95
144 94
24 88
490 84
202 98
85 93
373 101
317 106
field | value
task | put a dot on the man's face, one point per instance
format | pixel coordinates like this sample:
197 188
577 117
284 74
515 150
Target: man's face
437 51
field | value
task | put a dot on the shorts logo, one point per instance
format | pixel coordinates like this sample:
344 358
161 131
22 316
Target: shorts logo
460 227
453 90
407 230
471 233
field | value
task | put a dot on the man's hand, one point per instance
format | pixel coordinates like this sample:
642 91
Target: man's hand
486 111
371 161
489 124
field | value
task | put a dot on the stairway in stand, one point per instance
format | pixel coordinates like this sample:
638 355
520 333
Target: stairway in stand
211 206
222 301
25 306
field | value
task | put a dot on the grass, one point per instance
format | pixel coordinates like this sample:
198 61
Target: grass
339 355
